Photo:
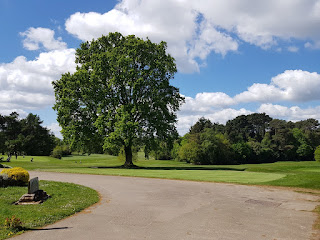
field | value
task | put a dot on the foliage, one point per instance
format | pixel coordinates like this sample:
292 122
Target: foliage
206 147
190 150
13 223
120 93
317 154
18 175
243 152
161 149
60 151
200 125
24 136
216 148
254 138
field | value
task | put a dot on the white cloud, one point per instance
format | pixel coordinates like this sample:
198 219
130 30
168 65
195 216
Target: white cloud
194 29
7 111
173 21
298 85
206 102
291 85
260 93
262 23
35 38
294 113
55 129
209 40
219 116
27 84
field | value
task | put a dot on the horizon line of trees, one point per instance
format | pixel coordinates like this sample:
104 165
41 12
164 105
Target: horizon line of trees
254 138
25 136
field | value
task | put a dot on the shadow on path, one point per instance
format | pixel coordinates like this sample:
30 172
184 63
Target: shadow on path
46 229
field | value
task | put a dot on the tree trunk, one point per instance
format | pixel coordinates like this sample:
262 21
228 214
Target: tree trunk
128 152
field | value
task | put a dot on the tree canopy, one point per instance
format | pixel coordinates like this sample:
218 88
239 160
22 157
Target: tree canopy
24 136
119 95
254 138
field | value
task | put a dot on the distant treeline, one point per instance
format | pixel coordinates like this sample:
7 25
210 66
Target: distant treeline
255 138
25 136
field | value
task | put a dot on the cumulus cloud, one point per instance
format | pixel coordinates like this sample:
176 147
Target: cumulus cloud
188 36
291 85
185 121
206 101
194 29
293 113
27 84
35 38
262 23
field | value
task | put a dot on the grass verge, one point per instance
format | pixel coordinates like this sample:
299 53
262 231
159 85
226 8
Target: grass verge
66 199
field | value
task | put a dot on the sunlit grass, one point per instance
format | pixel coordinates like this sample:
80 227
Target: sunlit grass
289 174
66 199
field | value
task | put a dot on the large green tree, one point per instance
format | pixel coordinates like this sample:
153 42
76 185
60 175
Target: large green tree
120 93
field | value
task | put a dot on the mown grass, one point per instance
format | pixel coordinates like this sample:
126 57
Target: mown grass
287 174
66 199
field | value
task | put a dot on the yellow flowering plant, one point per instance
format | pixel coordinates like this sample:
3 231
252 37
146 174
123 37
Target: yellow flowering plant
17 174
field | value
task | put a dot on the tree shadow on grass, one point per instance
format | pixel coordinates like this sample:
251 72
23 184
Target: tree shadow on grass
170 168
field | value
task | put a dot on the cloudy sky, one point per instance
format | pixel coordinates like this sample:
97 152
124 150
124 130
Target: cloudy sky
234 56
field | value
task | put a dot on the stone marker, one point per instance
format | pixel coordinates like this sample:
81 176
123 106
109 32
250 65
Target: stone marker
33 185
34 195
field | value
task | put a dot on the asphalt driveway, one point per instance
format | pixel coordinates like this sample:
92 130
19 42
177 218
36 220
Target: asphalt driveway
141 208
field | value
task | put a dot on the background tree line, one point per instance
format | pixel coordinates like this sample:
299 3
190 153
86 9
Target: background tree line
25 136
254 138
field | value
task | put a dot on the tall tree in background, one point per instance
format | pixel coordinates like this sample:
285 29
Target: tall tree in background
24 136
120 92
36 140
2 134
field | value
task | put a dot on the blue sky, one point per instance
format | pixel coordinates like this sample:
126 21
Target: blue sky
234 56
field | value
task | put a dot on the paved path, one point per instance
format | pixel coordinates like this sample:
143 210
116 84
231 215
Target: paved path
140 208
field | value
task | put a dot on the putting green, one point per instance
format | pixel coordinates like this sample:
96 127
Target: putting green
195 175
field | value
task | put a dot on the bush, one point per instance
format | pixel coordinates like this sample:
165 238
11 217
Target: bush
57 152
317 154
16 176
60 151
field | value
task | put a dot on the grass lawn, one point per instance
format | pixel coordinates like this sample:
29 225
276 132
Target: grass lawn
64 202
287 174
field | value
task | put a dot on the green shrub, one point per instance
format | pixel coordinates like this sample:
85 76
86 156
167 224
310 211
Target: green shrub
60 151
16 175
57 152
317 154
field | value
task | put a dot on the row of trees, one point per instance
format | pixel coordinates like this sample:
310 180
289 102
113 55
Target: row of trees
255 138
25 136
120 98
